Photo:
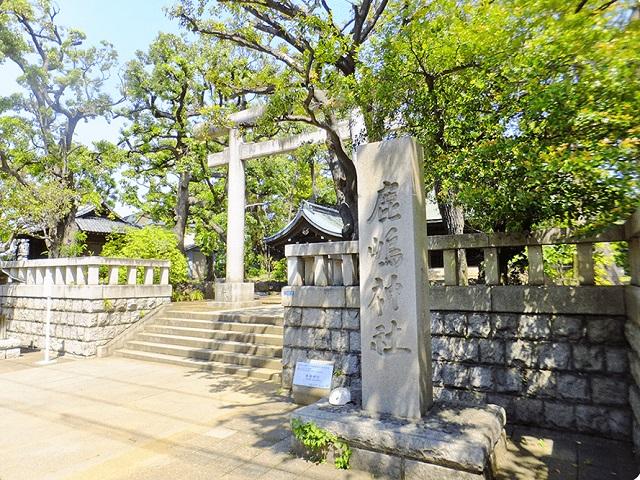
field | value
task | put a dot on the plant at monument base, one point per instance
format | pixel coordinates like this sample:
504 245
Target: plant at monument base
319 442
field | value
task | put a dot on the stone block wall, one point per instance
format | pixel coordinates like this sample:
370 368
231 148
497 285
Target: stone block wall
556 371
550 363
331 334
78 325
632 331
9 348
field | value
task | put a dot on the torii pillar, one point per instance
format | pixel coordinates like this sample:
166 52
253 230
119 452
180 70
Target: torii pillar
235 289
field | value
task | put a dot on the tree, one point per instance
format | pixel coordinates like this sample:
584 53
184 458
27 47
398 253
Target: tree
63 86
527 110
170 91
315 62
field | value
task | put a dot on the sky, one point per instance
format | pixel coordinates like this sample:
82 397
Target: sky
129 25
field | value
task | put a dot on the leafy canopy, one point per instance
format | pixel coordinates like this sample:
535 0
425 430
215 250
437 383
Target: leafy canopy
528 111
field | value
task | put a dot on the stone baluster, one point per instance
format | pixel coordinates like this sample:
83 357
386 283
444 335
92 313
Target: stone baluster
59 275
148 275
132 275
349 271
450 267
584 264
320 271
31 275
93 275
295 271
48 276
491 266
164 276
81 277
39 275
13 274
308 270
114 272
71 275
463 269
335 270
536 265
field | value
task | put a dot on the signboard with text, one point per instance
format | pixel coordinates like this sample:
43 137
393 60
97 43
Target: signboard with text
313 374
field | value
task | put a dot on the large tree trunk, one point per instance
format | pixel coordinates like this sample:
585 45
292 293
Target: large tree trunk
344 176
453 218
63 235
182 208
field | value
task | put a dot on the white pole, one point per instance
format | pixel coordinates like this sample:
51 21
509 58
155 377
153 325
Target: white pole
47 330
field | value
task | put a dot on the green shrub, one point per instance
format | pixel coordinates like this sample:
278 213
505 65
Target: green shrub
149 243
319 442
279 271
187 293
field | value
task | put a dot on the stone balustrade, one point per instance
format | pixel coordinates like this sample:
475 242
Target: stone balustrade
92 299
323 264
86 271
336 263
532 242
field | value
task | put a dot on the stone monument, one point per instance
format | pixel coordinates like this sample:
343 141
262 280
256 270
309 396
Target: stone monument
395 326
398 433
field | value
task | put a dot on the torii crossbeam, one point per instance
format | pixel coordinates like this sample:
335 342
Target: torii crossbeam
235 289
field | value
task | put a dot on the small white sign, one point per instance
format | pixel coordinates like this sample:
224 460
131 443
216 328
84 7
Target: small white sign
314 373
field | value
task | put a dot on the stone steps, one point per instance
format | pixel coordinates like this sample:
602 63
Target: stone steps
263 319
245 342
213 344
206 354
218 333
249 372
209 325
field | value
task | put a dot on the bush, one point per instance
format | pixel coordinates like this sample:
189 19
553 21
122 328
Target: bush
149 243
187 292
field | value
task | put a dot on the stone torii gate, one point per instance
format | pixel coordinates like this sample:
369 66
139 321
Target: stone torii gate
235 289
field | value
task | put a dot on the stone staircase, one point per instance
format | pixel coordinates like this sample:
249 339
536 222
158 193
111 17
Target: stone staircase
246 342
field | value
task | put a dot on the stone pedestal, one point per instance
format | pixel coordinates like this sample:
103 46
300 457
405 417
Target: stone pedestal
449 443
240 293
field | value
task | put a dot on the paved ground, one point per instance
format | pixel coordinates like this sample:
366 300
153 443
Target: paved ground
115 418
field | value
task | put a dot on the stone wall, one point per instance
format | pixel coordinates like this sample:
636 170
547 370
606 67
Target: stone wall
323 334
83 318
632 298
557 371
554 357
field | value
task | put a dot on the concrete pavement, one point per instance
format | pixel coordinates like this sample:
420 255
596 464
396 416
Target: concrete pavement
117 418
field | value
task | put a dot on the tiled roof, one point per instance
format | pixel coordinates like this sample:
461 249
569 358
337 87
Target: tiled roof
101 225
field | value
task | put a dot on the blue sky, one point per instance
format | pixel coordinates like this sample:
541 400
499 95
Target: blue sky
129 25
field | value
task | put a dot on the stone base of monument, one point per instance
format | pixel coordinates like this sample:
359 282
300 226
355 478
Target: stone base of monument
236 294
450 442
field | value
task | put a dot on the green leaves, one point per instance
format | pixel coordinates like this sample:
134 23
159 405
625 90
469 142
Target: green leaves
525 109
149 243
319 442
